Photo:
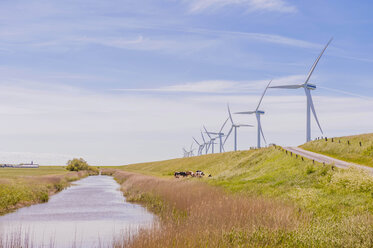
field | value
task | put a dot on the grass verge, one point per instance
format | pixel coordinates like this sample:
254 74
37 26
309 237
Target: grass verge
356 149
24 187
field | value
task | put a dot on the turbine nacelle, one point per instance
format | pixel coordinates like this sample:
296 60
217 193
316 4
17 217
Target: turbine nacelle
310 86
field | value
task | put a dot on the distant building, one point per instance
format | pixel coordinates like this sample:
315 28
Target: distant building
30 165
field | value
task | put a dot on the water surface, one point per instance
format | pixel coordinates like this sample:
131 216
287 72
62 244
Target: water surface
90 214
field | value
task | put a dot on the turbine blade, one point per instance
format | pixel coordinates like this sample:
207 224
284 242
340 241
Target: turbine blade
229 133
196 141
221 129
230 114
294 86
204 141
245 113
207 132
261 131
308 93
261 99
317 61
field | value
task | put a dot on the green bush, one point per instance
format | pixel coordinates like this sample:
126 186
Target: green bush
77 164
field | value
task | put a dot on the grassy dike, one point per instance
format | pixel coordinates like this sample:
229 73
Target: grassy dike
346 148
24 187
325 206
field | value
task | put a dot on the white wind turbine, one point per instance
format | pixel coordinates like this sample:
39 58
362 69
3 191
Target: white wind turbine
220 135
207 144
186 153
200 146
191 150
257 113
307 88
212 140
234 126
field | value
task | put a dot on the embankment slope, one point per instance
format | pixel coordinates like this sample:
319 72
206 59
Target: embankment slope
338 201
355 149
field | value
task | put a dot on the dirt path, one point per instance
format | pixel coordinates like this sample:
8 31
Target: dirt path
328 160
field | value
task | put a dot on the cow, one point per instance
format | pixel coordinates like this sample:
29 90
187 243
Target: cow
199 173
190 173
180 174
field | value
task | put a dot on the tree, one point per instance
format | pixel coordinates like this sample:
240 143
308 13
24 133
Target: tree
77 164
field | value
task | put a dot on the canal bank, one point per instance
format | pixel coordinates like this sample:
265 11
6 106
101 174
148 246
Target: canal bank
92 213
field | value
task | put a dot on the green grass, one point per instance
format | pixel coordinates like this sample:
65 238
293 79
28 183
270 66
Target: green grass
340 149
22 187
41 171
338 202
320 190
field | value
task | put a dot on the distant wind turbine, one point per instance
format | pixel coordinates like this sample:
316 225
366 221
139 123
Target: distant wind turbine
257 113
200 146
207 144
186 153
234 126
212 139
220 135
307 88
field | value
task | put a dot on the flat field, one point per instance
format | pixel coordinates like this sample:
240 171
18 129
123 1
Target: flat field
26 172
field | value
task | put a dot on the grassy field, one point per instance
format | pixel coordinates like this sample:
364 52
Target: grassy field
23 187
345 148
338 203
41 171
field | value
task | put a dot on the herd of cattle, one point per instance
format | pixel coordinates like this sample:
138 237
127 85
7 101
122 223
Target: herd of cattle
198 173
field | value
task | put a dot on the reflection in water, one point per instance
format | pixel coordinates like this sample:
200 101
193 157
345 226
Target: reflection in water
90 214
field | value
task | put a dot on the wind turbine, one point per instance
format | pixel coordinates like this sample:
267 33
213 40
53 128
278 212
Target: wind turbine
212 140
207 144
186 153
219 134
307 88
234 126
200 146
257 113
191 154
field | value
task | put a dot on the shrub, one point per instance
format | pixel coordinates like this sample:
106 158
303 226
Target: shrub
77 165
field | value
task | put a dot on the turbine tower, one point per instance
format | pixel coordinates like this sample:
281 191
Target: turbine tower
234 126
257 113
307 88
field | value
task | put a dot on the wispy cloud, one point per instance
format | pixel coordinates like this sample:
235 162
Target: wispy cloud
197 6
217 86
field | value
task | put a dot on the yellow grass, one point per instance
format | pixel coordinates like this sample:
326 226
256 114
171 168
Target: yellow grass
197 215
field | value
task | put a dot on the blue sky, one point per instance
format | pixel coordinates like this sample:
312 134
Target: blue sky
129 81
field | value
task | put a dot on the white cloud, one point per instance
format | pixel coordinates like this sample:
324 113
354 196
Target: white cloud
47 125
219 86
197 6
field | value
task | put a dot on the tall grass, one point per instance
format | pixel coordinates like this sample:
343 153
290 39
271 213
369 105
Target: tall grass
346 148
193 214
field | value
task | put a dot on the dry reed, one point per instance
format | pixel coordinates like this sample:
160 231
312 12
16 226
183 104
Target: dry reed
193 214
